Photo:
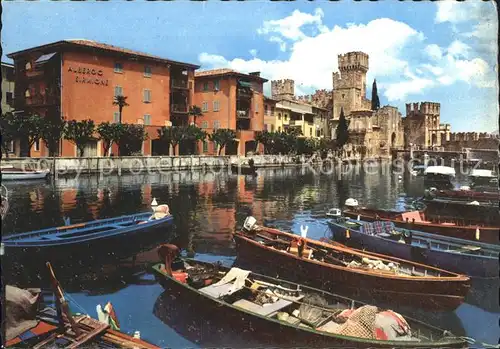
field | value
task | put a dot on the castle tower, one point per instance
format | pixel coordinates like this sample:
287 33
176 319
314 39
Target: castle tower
283 89
349 84
424 124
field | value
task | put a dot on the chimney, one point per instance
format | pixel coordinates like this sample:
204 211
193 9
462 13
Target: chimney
255 73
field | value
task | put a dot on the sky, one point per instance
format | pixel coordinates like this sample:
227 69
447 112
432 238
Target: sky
442 51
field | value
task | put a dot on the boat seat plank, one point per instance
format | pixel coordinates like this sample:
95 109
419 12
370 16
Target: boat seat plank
218 291
265 310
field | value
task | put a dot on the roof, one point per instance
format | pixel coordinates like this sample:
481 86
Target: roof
444 170
89 44
482 173
227 72
10 65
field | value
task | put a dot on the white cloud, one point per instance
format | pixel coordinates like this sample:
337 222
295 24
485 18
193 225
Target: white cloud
280 41
398 91
291 27
434 51
458 48
480 17
253 52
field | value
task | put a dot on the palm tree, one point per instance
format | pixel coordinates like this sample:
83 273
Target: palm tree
120 101
195 112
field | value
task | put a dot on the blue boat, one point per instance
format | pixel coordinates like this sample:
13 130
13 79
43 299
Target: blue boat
462 256
87 232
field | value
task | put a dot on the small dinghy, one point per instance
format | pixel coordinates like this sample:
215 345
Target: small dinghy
10 173
389 279
94 231
461 256
287 314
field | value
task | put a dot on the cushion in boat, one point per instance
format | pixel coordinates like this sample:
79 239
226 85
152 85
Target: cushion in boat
264 310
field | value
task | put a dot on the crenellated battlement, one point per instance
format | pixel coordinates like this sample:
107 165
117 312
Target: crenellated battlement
426 108
469 136
283 89
353 61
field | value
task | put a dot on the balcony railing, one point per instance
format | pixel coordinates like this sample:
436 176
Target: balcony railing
179 108
244 93
179 83
243 114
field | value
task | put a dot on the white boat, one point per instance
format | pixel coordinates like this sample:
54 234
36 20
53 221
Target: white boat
480 177
440 176
13 173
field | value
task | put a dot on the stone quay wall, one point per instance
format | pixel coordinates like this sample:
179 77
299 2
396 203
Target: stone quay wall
62 166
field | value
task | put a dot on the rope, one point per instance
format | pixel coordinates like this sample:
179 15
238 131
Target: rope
75 303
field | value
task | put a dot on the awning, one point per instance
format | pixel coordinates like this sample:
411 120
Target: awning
245 84
45 58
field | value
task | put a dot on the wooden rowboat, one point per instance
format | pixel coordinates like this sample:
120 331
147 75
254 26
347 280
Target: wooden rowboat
461 256
419 220
87 232
243 169
285 314
388 279
468 195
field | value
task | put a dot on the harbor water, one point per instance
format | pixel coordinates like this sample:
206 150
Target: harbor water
207 207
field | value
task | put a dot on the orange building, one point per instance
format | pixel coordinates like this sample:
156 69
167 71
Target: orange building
231 100
79 79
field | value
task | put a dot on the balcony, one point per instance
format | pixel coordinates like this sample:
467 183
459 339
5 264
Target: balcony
243 114
244 93
178 108
179 83
41 100
34 73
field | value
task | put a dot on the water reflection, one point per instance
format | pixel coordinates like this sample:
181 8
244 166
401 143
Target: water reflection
207 208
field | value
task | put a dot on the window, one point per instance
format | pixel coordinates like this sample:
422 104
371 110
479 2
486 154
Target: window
205 146
279 128
265 127
256 107
216 105
11 147
116 117
190 85
310 131
37 145
286 117
118 91
147 96
205 86
147 119
28 66
9 99
204 106
216 124
272 128
204 124
279 116
118 67
147 71
216 85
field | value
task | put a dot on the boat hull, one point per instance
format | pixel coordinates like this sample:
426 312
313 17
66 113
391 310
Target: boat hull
436 295
487 235
270 334
23 176
478 266
246 170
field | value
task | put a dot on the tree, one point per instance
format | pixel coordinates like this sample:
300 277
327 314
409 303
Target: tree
222 137
79 133
375 99
9 131
109 133
192 134
171 136
131 139
342 131
195 112
52 131
121 102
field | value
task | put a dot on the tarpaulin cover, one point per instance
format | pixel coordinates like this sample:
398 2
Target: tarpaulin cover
21 308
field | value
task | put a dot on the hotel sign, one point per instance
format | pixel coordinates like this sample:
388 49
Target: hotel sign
88 76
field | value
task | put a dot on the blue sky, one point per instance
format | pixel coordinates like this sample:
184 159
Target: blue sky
419 51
